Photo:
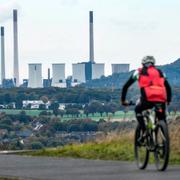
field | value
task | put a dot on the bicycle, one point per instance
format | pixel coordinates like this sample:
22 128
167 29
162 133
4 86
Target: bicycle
155 139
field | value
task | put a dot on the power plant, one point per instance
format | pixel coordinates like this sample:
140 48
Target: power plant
81 72
86 71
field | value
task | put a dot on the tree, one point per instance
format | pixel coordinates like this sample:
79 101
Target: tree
96 106
45 113
86 110
113 107
44 99
19 100
89 126
56 112
7 98
73 112
54 105
42 107
93 107
36 145
61 113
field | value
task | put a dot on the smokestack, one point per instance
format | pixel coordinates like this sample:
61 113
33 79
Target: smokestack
16 62
2 56
48 73
91 38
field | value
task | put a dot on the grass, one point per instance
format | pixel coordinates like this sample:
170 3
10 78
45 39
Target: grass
7 178
112 147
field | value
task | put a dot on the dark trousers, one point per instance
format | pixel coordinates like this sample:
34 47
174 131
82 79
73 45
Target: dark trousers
160 109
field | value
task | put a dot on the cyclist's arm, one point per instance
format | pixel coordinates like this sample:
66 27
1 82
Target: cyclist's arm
130 81
168 90
167 86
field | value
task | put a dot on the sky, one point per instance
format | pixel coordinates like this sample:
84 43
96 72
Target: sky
57 31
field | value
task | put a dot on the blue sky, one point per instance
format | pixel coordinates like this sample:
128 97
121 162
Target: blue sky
57 31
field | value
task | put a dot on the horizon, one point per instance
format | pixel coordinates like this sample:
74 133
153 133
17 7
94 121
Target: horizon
59 31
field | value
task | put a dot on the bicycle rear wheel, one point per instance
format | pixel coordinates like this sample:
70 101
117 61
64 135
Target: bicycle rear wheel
140 150
162 150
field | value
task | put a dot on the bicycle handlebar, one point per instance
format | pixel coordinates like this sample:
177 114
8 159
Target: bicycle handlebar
131 103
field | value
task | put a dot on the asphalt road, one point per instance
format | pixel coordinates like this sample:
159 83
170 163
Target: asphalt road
47 168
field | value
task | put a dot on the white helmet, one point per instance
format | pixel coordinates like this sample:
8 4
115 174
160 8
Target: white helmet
148 60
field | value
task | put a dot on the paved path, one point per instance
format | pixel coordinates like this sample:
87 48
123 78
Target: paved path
47 168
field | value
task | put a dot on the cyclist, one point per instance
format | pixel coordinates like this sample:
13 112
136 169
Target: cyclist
154 87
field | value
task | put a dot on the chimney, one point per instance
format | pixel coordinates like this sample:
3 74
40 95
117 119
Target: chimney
91 38
16 61
48 73
2 56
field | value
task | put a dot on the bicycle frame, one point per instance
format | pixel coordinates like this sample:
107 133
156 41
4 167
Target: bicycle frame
150 122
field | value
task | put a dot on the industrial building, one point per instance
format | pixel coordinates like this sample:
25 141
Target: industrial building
35 76
58 75
97 70
120 68
47 82
8 83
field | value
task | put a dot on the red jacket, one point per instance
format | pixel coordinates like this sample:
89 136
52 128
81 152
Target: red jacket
152 83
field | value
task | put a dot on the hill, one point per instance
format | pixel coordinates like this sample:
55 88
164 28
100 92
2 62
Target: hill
117 80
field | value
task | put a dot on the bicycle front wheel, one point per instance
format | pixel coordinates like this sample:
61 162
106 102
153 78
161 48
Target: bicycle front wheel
140 150
161 153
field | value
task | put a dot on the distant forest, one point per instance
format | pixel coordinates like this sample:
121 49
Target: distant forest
78 95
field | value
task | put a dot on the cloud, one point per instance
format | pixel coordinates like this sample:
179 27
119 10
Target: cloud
6 9
135 25
69 2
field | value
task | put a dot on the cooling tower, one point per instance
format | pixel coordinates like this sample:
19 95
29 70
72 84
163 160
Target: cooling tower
97 70
35 76
58 75
79 75
120 68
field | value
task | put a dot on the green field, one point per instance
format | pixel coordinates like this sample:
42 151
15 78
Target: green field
17 111
119 115
96 117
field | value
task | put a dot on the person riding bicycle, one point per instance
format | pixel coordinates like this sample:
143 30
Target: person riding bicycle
154 87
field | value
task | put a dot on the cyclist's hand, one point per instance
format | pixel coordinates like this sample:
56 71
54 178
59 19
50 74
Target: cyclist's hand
124 103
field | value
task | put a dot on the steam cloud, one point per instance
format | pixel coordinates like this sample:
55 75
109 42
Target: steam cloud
6 9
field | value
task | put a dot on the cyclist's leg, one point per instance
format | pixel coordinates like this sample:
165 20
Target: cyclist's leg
161 111
141 106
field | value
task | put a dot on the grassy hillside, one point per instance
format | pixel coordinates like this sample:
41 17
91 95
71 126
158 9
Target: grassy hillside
116 146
